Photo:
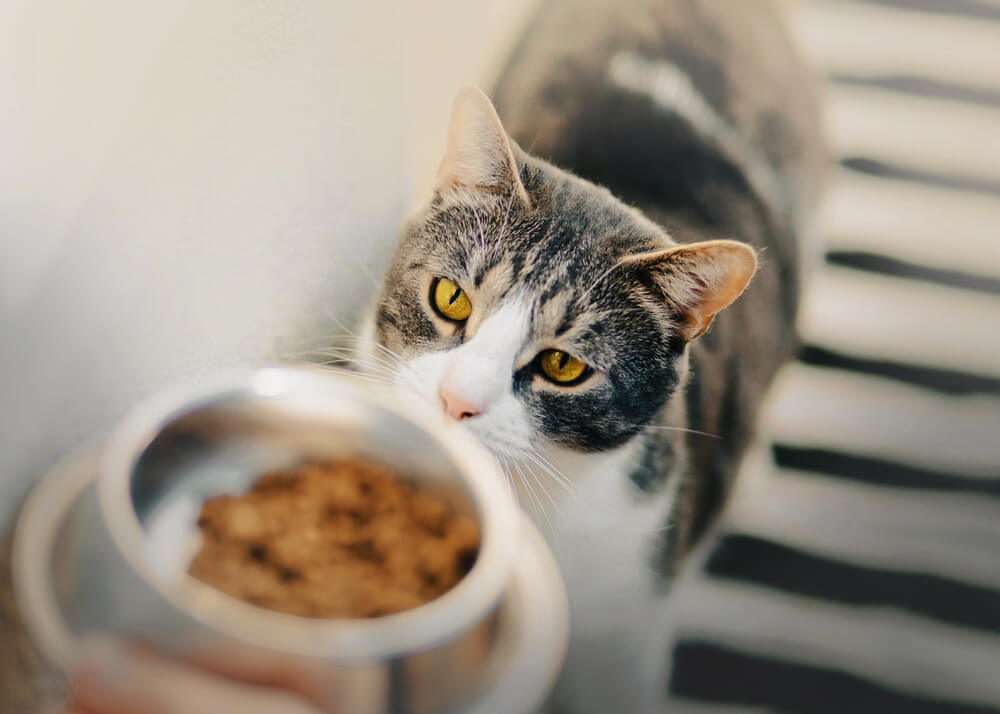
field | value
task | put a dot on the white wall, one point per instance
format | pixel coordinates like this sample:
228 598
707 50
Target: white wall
187 186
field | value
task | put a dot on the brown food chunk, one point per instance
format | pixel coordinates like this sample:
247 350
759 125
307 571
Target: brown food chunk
343 539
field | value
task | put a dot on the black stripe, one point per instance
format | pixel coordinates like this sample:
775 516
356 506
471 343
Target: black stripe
768 564
968 8
936 378
710 672
880 472
872 167
923 87
885 265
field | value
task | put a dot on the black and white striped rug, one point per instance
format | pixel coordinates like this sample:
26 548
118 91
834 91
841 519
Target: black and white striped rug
858 566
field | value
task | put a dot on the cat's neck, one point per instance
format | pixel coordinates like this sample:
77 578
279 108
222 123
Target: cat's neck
596 491
592 506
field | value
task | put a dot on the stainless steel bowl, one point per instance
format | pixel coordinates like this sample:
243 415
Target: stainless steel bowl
105 540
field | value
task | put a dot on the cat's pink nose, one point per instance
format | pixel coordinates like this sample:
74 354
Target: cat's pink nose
456 407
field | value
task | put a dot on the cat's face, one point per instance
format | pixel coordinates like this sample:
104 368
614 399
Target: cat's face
534 306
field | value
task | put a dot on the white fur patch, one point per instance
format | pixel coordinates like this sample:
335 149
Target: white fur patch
670 88
604 537
480 371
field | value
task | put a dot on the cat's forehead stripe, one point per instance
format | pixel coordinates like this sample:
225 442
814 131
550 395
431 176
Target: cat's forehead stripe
505 330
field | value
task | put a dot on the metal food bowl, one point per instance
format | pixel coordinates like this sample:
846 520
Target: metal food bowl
106 538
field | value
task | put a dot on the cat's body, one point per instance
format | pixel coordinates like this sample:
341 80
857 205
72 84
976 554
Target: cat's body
700 115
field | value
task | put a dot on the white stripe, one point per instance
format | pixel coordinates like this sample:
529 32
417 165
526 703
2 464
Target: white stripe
931 135
894 318
885 645
669 87
865 40
954 535
878 417
931 226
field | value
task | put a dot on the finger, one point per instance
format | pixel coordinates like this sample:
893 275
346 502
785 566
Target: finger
253 667
359 690
116 679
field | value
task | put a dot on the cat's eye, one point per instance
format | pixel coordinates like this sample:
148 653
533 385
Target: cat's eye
561 367
450 301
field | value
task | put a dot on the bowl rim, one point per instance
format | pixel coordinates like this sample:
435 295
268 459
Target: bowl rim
443 619
47 506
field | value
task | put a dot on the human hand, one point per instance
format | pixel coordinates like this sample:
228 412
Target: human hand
120 678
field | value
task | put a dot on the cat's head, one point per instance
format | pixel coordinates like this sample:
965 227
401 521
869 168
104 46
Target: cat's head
535 306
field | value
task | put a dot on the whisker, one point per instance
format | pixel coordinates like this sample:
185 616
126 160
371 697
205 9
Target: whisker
372 370
658 427
364 269
327 337
333 318
387 360
559 477
396 358
506 220
534 141
351 355
508 480
365 377
482 232
354 374
597 282
359 356
389 352
661 529
555 504
529 492
408 378
534 496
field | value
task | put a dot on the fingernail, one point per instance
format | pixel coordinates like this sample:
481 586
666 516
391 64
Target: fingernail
104 668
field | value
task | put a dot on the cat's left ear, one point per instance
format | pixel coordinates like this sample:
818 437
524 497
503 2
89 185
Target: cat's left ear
479 154
697 280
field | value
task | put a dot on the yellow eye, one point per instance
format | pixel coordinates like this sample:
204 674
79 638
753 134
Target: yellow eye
450 301
560 366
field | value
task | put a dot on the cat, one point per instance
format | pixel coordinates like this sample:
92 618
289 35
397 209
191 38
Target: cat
608 327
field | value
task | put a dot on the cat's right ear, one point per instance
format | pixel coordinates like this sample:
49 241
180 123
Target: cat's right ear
479 154
697 280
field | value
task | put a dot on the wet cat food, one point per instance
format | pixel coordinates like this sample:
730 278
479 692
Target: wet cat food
346 539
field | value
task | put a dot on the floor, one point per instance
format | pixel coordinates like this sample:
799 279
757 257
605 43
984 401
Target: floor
856 569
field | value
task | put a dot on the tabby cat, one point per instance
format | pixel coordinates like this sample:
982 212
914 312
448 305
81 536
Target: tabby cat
573 318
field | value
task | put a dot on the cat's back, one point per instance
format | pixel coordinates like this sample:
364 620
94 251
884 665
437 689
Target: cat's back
669 103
